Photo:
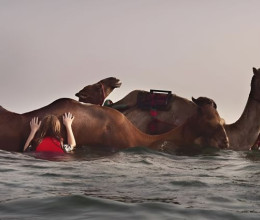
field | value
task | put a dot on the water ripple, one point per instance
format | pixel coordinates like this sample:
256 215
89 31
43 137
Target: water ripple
136 183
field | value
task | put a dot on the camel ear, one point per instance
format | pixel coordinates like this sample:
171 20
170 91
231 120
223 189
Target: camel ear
194 100
255 70
214 105
77 94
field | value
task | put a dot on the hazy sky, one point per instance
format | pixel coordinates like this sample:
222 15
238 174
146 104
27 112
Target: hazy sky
53 48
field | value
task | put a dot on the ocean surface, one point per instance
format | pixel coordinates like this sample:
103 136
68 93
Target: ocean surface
131 184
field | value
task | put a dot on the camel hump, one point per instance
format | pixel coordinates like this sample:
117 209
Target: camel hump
64 102
68 101
158 99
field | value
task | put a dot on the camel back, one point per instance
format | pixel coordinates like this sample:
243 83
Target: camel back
155 99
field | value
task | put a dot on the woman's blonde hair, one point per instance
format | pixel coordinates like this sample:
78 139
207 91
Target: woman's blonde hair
50 127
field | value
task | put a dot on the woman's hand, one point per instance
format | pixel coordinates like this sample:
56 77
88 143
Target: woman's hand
35 124
68 119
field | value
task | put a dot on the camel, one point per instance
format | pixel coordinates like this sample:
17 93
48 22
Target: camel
96 93
242 134
177 112
97 126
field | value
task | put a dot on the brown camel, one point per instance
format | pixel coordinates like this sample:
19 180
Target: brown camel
177 112
96 126
242 134
96 93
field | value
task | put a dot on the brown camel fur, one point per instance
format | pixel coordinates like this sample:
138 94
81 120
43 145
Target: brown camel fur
96 126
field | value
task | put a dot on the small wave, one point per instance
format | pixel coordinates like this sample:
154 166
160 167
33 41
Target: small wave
87 207
189 183
139 150
253 155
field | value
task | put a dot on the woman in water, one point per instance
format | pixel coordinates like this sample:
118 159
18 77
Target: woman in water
46 136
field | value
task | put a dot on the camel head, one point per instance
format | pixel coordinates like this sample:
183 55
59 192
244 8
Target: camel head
204 101
209 125
111 83
255 85
96 93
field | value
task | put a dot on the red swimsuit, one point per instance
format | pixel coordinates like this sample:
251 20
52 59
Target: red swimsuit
50 145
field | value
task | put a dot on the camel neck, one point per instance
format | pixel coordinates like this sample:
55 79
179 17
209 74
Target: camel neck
174 138
243 133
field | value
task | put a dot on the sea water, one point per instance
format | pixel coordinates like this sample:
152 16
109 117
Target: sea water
132 184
